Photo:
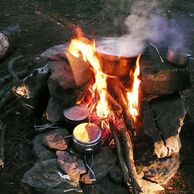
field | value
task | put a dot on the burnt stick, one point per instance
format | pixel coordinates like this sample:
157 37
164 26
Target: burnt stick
120 156
118 92
130 160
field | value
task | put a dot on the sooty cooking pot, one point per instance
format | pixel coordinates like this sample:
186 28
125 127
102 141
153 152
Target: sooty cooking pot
114 63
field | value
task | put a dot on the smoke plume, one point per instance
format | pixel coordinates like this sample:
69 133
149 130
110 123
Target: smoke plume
146 23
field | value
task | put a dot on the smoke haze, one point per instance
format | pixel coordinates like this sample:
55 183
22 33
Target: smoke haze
146 24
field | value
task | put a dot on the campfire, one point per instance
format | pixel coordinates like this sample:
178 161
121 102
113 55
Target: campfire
109 117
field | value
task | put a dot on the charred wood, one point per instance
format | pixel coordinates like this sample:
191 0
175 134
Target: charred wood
118 92
120 156
130 160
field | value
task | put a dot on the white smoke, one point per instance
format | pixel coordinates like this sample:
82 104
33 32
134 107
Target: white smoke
145 23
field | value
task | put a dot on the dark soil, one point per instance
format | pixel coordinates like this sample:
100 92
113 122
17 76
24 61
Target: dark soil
45 23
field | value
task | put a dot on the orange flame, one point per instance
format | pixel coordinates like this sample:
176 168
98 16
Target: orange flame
133 95
85 48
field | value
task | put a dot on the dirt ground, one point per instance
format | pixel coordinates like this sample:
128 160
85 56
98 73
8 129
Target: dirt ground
45 23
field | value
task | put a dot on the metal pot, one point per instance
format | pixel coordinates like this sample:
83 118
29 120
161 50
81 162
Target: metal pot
178 55
113 62
90 144
75 115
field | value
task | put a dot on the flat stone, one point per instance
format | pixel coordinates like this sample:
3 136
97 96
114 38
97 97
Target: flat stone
160 150
161 170
54 53
171 146
54 111
62 73
148 187
56 139
162 122
169 115
40 151
71 165
60 99
45 177
158 78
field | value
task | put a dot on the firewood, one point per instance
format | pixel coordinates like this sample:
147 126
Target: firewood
119 153
2 136
130 160
117 108
127 162
118 92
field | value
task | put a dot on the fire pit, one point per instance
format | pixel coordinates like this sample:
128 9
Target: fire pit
129 140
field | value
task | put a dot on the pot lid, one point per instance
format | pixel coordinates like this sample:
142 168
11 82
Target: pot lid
87 133
116 46
76 113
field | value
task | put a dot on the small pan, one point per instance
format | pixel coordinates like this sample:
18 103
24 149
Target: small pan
178 55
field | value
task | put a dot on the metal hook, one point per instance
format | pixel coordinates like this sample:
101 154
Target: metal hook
90 167
158 52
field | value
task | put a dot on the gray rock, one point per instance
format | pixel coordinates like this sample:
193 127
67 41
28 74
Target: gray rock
40 151
45 177
160 79
169 115
162 122
54 111
62 73
71 165
161 170
54 53
116 175
56 139
103 163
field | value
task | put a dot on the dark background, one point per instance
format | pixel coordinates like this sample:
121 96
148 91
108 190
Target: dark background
45 23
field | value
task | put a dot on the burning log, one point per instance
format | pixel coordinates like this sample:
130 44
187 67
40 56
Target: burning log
118 92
